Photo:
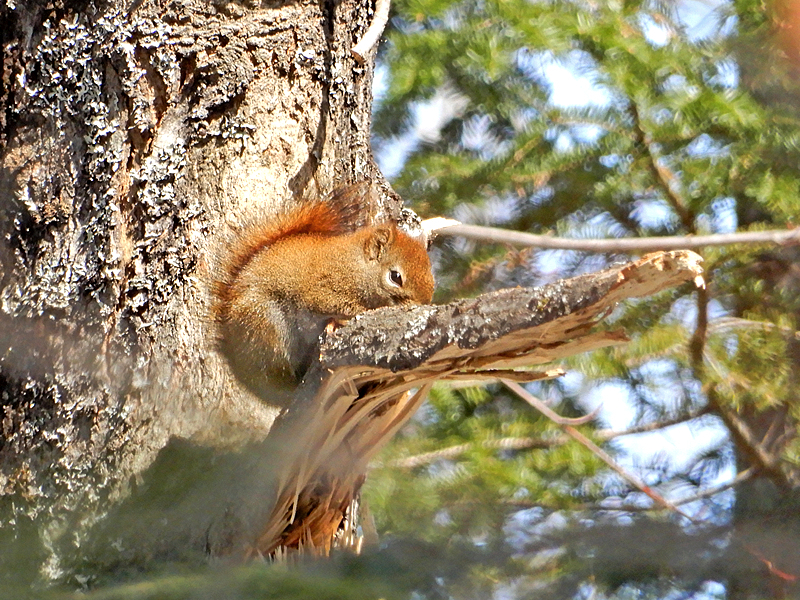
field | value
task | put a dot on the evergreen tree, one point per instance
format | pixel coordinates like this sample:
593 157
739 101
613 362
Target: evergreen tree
689 126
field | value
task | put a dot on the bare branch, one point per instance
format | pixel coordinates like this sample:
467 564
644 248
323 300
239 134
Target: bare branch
373 34
702 495
531 443
594 448
726 324
509 328
779 237
741 477
610 434
526 443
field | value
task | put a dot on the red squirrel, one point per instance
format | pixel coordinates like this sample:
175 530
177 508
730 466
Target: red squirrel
284 280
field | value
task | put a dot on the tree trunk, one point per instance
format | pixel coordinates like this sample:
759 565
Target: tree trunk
136 136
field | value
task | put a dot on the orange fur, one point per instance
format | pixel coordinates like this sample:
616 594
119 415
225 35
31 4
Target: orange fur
283 280
313 218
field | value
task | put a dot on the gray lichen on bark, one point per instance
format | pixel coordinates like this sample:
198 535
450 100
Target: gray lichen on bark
135 136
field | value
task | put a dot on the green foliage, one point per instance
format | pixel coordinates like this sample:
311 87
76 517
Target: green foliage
346 579
690 127
459 495
399 569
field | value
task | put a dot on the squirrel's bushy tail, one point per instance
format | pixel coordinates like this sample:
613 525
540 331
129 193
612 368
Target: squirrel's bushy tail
340 214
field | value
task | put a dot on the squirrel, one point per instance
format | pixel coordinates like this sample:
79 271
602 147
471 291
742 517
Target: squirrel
286 279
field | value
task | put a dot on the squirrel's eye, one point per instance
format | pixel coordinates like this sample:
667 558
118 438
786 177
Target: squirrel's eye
396 278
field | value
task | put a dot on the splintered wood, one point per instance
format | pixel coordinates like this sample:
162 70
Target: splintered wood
376 371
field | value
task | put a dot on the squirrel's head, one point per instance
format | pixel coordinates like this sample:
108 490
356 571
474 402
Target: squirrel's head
403 266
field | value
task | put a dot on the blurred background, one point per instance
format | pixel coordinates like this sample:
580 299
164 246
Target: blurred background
612 120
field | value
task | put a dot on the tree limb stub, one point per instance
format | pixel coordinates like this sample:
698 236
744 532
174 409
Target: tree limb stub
495 327
376 370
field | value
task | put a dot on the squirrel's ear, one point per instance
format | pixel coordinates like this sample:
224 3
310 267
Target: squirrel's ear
376 243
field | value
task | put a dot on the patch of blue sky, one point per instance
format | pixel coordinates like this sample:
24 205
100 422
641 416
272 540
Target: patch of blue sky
492 211
428 118
380 83
721 217
705 19
712 590
532 524
698 21
684 311
679 445
705 146
658 34
727 74
725 217
653 214
573 81
550 262
676 86
566 141
478 136
731 345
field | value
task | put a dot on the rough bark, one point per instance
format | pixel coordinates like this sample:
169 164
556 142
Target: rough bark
136 136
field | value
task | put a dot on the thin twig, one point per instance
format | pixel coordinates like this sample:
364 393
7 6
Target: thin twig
373 34
782 237
702 495
726 324
773 570
741 477
532 443
509 443
706 493
594 448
